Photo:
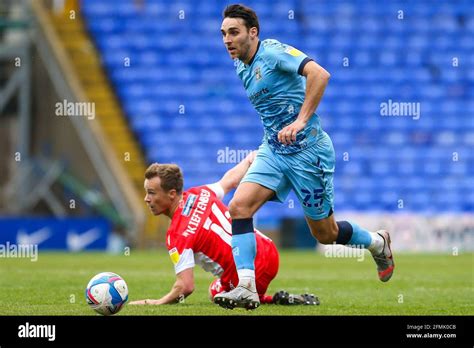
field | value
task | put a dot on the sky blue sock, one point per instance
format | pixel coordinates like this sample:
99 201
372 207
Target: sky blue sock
360 236
244 249
244 244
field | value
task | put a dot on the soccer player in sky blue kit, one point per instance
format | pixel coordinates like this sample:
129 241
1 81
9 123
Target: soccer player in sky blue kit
285 87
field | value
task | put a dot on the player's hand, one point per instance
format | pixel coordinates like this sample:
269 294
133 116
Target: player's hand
145 302
288 134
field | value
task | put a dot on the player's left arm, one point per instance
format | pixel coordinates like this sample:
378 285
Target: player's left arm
183 287
316 81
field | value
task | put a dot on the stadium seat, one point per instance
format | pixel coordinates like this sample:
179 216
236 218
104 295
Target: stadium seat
185 103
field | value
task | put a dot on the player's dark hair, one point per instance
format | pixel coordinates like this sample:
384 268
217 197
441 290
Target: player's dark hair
170 175
246 13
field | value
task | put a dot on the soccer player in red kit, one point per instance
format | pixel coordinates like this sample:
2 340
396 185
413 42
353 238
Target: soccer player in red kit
200 233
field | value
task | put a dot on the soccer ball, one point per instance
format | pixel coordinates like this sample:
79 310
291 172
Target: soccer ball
106 293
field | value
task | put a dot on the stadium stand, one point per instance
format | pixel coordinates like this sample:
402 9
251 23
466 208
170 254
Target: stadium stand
184 102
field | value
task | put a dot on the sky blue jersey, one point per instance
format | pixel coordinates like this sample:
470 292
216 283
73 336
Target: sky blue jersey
276 89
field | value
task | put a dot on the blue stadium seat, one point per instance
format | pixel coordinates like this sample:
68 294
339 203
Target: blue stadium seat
185 103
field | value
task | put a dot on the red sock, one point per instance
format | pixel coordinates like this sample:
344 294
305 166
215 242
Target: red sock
266 299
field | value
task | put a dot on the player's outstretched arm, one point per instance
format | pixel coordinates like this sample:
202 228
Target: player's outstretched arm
316 80
183 287
232 177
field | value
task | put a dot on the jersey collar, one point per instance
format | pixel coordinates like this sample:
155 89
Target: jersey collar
253 58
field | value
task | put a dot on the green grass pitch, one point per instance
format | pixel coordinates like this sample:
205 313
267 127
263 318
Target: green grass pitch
423 284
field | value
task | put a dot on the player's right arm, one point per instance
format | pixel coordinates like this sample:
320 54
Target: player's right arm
183 287
232 177
316 80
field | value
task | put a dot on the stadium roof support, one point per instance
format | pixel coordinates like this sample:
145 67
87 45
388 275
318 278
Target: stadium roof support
18 84
67 87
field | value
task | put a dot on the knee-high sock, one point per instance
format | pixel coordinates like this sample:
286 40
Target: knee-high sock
351 234
244 249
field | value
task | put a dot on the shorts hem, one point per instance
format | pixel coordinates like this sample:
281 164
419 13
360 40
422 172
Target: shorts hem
276 197
319 216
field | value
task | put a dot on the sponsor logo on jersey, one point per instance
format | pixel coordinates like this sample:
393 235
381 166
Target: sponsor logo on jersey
196 217
174 255
293 52
261 92
188 205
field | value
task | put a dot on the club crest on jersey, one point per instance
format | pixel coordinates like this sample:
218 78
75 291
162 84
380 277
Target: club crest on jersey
188 205
258 73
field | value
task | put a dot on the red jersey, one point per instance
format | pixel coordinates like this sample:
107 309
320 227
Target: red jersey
201 233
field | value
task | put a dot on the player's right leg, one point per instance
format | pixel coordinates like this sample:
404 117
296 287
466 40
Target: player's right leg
248 198
262 182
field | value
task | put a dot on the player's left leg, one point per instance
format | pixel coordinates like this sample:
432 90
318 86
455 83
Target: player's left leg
284 298
330 231
266 268
267 264
311 175
281 297
215 288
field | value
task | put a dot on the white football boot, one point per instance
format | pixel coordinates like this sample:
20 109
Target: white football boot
241 297
384 260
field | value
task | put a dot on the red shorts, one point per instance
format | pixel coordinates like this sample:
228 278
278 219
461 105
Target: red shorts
266 268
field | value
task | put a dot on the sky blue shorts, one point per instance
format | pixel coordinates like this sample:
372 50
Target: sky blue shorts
309 173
